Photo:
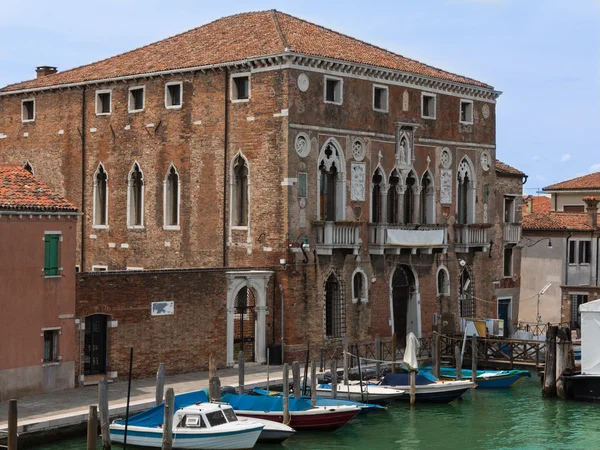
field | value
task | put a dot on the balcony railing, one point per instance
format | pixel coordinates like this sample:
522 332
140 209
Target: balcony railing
512 233
391 238
471 237
332 236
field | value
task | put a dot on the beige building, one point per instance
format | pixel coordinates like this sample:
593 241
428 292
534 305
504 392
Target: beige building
568 195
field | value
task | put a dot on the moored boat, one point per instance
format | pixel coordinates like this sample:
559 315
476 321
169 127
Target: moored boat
427 387
361 393
486 379
273 432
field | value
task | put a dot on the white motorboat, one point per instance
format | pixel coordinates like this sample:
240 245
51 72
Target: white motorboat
273 432
427 388
368 393
199 426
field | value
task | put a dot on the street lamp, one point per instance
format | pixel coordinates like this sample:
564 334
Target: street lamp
531 244
542 292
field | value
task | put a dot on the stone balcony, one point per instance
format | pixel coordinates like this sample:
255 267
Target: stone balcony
393 238
511 233
337 236
471 237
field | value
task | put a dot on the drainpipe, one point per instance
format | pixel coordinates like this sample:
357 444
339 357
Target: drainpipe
597 258
225 163
83 164
567 261
282 325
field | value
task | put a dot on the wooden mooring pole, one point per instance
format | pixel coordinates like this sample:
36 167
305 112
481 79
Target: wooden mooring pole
160 383
437 354
214 384
378 356
241 364
413 387
549 389
334 378
563 343
92 427
313 383
12 425
394 353
103 413
286 393
167 436
345 362
128 397
458 362
296 376
474 359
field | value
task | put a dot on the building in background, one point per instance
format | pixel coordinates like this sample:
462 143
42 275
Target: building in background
568 195
537 203
37 286
341 190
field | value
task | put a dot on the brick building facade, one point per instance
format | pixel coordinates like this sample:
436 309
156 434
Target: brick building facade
363 182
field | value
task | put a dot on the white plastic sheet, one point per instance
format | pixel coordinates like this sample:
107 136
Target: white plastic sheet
415 238
590 336
411 350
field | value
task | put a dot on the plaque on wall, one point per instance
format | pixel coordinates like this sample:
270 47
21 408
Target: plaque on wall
357 186
303 82
163 308
445 187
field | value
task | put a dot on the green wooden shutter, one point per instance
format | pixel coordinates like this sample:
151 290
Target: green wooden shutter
51 254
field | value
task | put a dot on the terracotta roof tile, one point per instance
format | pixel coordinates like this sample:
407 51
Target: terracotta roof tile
505 169
237 38
586 182
539 203
19 190
559 221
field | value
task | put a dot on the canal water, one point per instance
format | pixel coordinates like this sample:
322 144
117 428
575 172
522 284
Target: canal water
516 418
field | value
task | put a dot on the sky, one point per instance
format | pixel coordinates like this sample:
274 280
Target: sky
544 55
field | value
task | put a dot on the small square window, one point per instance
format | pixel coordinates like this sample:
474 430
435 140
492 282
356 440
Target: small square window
380 98
333 90
466 111
240 88
173 94
137 99
28 110
99 268
428 106
103 102
51 346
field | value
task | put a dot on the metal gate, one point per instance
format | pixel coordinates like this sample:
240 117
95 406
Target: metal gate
95 345
245 324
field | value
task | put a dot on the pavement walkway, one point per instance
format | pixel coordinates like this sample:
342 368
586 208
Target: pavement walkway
46 412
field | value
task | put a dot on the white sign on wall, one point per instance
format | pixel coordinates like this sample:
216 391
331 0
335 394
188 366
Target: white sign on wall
163 308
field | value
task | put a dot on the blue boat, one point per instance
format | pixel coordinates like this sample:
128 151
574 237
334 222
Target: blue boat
486 379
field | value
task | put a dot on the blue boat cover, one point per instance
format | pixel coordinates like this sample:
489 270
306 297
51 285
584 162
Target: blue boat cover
248 402
154 417
403 379
323 401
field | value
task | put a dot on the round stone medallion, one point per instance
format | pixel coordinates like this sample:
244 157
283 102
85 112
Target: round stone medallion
486 160
485 111
446 158
303 82
358 150
302 145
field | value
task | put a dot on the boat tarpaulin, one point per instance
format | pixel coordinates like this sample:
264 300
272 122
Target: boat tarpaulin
590 336
415 238
154 417
248 402
403 379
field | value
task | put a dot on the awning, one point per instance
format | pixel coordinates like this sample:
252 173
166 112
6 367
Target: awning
415 238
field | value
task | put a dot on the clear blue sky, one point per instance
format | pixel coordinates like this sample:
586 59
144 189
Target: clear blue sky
543 54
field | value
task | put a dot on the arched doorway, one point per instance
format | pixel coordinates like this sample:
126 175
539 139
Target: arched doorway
95 344
406 315
244 328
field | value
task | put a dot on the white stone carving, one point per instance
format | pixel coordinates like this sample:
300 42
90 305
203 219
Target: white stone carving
405 101
486 160
302 145
446 158
357 186
485 111
446 187
303 82
358 149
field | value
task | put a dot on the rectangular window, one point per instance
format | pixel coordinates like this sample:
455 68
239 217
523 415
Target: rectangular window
574 208
137 98
584 252
51 256
103 102
302 185
428 106
28 110
466 111
51 346
576 302
99 268
240 87
333 90
380 98
509 209
508 262
572 255
173 95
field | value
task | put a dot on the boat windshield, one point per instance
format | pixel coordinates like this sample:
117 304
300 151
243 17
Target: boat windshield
216 418
230 414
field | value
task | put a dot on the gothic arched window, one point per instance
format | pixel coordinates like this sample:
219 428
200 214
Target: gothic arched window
171 198
100 197
240 192
135 193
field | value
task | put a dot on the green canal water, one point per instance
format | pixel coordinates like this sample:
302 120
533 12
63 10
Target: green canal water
516 418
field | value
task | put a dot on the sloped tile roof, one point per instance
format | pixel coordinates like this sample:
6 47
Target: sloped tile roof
539 203
586 182
20 190
558 221
505 169
236 38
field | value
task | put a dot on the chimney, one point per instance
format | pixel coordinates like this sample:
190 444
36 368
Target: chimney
591 203
43 71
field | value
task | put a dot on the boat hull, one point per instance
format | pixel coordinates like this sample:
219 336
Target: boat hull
273 432
488 379
327 421
435 392
370 394
583 387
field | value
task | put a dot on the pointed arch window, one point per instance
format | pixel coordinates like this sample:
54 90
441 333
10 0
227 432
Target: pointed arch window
359 287
240 192
331 183
135 195
171 198
392 200
466 193
100 215
377 186
427 199
335 321
443 282
28 167
409 199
